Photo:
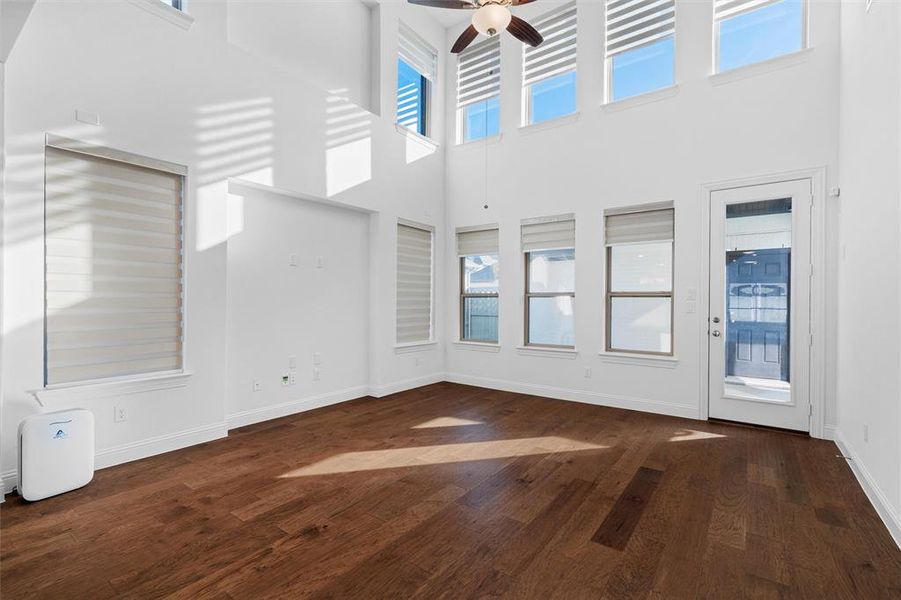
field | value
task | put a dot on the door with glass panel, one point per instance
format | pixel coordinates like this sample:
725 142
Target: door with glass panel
759 322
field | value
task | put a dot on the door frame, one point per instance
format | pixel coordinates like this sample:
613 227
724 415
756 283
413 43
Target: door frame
817 370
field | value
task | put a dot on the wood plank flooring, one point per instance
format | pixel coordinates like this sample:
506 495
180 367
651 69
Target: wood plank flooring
451 491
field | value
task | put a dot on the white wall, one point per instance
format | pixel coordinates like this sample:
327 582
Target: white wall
763 120
870 300
191 98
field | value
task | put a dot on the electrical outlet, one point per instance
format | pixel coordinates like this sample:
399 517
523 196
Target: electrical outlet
315 374
257 385
292 378
120 414
587 372
866 433
285 380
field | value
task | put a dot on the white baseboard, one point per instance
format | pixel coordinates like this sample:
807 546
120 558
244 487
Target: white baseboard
829 432
877 497
379 391
689 411
266 413
10 480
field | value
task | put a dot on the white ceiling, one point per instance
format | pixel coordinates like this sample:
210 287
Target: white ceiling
447 17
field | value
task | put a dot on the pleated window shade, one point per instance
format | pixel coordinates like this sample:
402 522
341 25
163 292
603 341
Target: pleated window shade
557 54
549 233
414 284
481 242
639 227
632 24
417 52
113 268
479 72
724 9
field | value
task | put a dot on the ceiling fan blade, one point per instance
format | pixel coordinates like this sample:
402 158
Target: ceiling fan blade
524 32
445 3
465 39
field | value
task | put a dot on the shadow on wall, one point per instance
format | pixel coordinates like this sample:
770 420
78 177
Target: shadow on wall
348 144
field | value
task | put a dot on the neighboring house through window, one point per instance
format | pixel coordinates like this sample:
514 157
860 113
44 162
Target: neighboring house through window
548 245
477 248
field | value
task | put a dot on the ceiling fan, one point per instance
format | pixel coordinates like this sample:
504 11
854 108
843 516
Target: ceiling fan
491 16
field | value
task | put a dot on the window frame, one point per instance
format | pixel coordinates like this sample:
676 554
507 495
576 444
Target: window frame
805 38
464 295
608 76
610 295
178 4
527 100
425 101
528 295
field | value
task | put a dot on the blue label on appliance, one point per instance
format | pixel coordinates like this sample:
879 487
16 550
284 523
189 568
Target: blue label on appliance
60 434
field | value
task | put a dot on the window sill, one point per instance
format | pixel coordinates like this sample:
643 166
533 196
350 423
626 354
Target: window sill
74 392
485 141
166 12
767 66
551 124
417 137
415 347
478 346
644 360
548 352
641 99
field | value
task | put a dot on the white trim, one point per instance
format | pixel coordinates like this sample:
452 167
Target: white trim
117 455
477 346
688 411
760 68
829 432
418 137
416 225
9 481
277 411
66 393
665 93
473 228
239 187
548 352
63 143
878 498
485 141
550 123
645 360
379 391
165 12
408 347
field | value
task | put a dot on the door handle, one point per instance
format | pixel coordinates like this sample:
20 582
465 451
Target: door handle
715 333
716 319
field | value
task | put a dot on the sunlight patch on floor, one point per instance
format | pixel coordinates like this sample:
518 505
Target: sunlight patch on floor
418 456
688 435
446 422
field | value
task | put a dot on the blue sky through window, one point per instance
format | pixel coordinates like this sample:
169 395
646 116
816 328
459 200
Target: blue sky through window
553 97
410 98
482 119
761 34
643 69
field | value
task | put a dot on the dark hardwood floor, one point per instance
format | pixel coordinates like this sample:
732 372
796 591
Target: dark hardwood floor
451 491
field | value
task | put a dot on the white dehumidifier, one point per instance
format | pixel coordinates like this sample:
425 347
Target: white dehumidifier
56 453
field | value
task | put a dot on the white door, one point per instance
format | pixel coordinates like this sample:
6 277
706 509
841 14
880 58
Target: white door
759 321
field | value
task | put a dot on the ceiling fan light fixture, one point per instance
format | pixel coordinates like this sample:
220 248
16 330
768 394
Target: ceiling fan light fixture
491 19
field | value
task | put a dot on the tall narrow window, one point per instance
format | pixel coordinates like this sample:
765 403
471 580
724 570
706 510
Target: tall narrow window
417 71
549 71
113 265
640 279
478 90
550 263
477 248
414 283
750 31
640 46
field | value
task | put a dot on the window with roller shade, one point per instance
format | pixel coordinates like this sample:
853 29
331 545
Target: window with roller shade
414 283
549 71
417 72
750 31
640 279
548 246
640 46
478 90
113 266
477 249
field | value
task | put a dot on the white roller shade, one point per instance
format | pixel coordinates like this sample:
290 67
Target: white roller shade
639 226
724 9
549 233
417 52
557 54
414 284
631 24
477 242
113 268
479 72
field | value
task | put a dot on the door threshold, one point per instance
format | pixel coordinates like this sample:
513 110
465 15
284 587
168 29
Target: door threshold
756 426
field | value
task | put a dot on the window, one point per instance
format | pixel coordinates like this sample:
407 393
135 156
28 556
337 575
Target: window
478 90
550 262
640 279
549 71
113 265
477 248
417 70
414 283
177 4
750 31
640 47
